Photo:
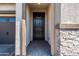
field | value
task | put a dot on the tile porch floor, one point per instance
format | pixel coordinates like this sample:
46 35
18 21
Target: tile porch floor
38 48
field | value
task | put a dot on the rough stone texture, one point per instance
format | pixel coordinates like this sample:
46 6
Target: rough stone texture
57 41
69 42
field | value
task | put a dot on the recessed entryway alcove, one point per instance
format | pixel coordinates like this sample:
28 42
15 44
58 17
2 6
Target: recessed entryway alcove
38 44
55 13
51 24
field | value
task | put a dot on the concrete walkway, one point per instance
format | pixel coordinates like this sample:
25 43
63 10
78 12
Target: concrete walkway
38 48
7 50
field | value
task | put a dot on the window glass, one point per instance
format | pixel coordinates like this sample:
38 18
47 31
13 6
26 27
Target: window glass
5 19
12 19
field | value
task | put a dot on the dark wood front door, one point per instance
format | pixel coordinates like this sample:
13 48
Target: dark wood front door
38 25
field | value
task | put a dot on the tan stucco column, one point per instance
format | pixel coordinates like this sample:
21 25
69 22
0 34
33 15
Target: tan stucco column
52 28
18 37
20 29
24 29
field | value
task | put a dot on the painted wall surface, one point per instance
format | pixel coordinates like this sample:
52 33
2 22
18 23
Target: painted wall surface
28 30
49 18
23 36
7 6
4 28
51 27
18 28
70 13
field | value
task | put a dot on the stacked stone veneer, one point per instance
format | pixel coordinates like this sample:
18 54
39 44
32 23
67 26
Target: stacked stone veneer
57 42
69 42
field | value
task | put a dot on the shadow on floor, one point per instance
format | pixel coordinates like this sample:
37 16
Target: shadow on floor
38 48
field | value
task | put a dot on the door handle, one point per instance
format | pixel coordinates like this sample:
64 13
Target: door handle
7 33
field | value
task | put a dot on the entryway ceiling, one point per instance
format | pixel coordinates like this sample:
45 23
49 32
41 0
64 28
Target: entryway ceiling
37 5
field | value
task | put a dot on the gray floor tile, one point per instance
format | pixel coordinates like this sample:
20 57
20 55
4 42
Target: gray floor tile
38 48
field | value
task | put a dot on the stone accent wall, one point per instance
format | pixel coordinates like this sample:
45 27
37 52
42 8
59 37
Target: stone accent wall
57 41
69 42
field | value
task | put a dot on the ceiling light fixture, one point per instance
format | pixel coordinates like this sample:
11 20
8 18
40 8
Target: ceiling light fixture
38 3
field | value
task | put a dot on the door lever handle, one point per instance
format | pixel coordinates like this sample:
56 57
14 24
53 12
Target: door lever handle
7 33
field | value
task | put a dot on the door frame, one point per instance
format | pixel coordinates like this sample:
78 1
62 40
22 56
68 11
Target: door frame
39 10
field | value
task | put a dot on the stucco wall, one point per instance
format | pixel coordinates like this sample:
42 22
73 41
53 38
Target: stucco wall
51 29
70 13
49 23
28 30
7 6
69 39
